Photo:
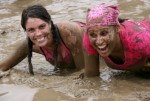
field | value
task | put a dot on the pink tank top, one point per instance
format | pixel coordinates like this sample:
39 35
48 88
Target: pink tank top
63 56
135 37
64 53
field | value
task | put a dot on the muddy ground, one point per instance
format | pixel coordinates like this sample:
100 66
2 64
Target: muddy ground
111 85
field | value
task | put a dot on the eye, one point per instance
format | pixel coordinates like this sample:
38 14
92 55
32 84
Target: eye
42 26
104 33
31 30
92 35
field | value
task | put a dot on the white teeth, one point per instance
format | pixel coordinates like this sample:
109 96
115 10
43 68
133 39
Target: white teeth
40 39
102 47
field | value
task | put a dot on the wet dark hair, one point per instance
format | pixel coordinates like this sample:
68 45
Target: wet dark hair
38 11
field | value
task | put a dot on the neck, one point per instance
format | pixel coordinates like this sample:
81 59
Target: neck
50 47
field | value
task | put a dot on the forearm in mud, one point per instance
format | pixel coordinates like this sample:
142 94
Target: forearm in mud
15 57
91 65
78 57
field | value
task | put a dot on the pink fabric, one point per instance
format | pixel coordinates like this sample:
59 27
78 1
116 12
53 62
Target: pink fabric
102 15
82 24
135 37
64 53
63 56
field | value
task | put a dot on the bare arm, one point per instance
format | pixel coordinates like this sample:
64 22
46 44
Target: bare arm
16 57
81 58
92 64
71 34
77 47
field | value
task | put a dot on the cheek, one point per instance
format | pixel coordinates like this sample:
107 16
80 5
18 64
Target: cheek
111 36
49 36
47 33
31 36
46 30
92 40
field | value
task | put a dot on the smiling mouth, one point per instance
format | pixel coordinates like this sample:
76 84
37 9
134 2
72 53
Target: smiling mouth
102 48
41 39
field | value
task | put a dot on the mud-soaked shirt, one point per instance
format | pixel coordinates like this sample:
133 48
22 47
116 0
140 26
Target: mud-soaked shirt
135 37
65 58
64 54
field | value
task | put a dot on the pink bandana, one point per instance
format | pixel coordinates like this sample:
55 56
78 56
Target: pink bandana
102 15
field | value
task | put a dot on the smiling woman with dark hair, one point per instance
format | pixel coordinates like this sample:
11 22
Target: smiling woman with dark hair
61 43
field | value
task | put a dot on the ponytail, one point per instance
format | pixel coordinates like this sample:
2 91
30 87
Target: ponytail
30 44
57 39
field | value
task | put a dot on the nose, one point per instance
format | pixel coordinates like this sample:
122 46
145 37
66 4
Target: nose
99 40
38 32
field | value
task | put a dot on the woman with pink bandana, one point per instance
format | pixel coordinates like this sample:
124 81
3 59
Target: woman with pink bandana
124 44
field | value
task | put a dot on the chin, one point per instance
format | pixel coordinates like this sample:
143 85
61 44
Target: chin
101 54
41 44
104 54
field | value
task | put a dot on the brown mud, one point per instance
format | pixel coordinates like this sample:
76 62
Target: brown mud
111 85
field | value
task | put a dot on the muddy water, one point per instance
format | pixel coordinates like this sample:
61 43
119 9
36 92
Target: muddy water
111 85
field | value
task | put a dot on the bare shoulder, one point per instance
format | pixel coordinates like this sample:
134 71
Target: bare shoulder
71 26
70 32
